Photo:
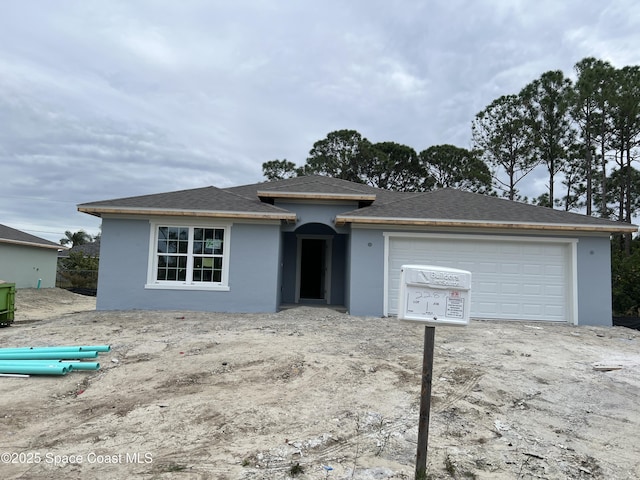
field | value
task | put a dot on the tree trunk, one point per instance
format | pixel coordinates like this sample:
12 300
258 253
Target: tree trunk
589 161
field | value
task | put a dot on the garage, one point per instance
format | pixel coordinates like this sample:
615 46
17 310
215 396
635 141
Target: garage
513 278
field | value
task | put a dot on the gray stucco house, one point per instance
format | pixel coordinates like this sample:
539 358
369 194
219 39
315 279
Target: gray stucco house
27 260
320 240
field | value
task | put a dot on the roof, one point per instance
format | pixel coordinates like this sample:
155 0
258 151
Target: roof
450 207
17 237
198 202
91 249
444 207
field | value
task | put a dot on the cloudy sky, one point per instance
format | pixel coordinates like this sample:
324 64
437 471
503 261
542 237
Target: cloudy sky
107 99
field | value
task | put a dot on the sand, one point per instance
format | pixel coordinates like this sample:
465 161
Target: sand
311 393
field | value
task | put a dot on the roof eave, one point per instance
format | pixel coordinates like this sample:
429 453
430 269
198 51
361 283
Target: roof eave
33 244
99 211
317 196
622 228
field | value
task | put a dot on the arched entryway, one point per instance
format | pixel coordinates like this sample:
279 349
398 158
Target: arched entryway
313 268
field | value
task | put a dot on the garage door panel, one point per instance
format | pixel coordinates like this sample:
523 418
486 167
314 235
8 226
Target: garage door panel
510 269
554 312
532 269
509 288
510 308
533 309
554 291
510 279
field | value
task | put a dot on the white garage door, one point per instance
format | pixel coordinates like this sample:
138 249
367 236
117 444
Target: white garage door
511 280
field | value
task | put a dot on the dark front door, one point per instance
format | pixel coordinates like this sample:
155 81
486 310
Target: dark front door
312 268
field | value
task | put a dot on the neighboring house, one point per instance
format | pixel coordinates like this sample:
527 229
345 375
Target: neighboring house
80 276
320 240
27 260
90 249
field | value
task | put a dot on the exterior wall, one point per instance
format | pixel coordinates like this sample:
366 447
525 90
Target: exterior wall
288 288
592 283
323 213
253 271
24 265
338 270
366 272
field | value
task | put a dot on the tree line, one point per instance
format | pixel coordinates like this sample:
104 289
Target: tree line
584 133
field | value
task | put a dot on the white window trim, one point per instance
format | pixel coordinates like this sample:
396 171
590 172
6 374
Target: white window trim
152 283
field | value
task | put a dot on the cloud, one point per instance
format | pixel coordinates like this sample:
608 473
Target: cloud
101 100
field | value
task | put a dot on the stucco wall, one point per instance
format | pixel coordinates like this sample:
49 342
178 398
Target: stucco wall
253 271
366 272
316 213
25 265
594 281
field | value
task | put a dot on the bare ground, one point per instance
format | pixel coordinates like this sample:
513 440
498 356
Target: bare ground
312 393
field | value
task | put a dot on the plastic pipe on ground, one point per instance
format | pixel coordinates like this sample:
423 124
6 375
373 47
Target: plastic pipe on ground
39 349
54 369
95 348
79 348
70 363
47 355
82 365
41 363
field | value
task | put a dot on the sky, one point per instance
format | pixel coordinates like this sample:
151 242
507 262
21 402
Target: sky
117 98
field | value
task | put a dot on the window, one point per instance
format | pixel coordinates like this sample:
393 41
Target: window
188 256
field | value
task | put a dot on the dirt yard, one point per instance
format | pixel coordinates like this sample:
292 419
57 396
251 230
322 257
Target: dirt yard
315 394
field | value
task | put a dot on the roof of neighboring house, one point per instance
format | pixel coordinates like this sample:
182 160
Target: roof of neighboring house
443 207
17 237
91 249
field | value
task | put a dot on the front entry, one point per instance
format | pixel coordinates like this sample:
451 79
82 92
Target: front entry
313 272
313 268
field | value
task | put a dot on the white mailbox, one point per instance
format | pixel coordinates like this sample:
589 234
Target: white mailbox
434 295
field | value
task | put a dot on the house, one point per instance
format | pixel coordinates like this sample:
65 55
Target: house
27 260
79 276
90 249
321 240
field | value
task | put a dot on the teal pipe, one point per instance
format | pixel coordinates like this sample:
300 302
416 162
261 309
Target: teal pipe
39 349
95 348
82 365
68 363
47 355
87 348
39 363
52 369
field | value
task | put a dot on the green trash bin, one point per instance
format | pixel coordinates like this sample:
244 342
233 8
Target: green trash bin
7 303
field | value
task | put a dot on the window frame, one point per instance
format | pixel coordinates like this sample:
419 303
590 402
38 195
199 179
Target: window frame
188 284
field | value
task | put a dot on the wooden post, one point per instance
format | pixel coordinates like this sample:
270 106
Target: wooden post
425 403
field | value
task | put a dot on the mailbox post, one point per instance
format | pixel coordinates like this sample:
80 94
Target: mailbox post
432 296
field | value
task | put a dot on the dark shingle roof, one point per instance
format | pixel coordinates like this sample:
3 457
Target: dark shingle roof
307 184
444 207
17 237
198 201
91 249
454 206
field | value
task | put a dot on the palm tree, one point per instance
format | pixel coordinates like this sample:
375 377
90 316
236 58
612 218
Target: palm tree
76 238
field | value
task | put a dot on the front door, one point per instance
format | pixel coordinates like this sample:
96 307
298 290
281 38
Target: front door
313 269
